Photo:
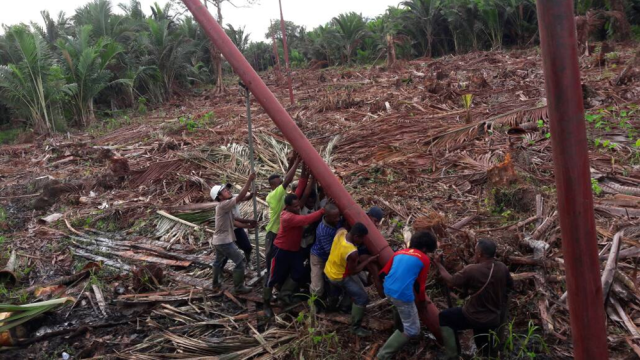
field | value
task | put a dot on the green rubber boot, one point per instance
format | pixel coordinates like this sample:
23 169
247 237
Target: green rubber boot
357 314
287 290
238 282
393 345
449 341
266 297
216 278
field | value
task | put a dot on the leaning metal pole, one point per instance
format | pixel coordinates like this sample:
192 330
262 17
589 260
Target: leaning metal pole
573 180
375 242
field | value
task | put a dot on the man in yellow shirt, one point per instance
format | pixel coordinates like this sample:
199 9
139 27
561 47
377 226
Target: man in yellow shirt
342 269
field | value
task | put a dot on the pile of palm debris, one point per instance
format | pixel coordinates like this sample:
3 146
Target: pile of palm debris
119 219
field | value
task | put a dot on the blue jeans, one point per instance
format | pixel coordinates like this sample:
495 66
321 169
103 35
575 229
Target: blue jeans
409 314
229 251
353 287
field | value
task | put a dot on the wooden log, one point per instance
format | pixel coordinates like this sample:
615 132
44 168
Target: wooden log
618 211
612 264
206 284
633 330
625 254
105 261
464 222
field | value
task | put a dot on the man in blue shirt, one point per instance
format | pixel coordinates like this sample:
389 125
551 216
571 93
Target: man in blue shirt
406 273
320 250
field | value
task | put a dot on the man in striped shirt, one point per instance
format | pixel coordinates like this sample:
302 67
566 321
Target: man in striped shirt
321 249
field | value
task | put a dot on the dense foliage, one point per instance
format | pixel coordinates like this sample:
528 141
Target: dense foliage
98 60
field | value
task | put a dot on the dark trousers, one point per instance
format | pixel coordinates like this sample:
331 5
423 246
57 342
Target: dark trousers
268 251
483 333
243 243
285 263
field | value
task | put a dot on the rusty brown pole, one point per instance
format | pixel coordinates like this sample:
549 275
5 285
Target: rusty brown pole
375 242
573 179
286 54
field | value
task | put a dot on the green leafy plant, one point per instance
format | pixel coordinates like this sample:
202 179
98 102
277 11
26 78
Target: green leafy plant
467 100
520 346
142 105
595 186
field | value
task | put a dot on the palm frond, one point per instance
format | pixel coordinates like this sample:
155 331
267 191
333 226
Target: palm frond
467 132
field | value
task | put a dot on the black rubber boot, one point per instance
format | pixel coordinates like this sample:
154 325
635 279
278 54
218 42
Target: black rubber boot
287 290
216 278
266 297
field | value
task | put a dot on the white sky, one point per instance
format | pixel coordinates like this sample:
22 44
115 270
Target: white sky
309 13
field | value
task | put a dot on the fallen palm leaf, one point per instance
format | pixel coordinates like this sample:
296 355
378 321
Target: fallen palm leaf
23 313
468 132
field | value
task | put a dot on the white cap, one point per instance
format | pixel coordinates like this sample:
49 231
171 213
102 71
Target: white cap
215 191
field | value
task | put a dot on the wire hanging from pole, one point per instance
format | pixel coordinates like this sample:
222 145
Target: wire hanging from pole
245 91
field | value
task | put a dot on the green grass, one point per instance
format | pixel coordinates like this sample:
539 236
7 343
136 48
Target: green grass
9 135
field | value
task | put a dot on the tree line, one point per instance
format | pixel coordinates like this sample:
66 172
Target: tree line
97 61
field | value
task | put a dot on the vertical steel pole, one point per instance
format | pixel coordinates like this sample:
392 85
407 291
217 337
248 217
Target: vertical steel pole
571 162
253 170
286 53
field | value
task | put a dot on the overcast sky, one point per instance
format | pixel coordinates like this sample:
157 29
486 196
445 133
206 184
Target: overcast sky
310 13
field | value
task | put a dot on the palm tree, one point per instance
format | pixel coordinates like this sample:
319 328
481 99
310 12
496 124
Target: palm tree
168 52
53 29
28 84
324 42
351 30
424 19
86 68
493 21
103 21
238 36
464 24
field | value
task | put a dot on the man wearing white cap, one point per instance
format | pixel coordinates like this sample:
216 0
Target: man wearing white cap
224 237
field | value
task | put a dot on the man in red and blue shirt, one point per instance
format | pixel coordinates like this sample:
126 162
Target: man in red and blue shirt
406 273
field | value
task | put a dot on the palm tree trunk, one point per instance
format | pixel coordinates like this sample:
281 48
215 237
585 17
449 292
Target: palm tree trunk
391 51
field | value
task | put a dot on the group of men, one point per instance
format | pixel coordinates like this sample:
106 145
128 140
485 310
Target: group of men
308 241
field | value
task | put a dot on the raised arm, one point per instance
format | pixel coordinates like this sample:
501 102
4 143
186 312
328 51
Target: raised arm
302 182
247 185
247 197
291 173
307 191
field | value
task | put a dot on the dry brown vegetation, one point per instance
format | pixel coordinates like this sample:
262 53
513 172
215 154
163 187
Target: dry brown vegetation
400 138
